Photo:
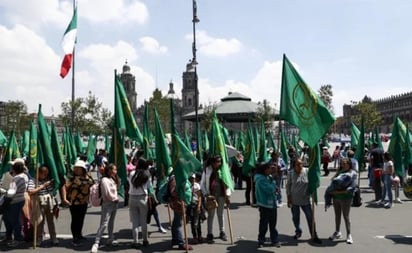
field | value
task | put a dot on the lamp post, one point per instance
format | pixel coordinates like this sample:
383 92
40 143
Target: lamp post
194 62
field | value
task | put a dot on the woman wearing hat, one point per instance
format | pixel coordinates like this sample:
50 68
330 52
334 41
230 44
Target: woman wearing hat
76 196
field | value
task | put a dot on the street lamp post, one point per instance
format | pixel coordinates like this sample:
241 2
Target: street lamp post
194 64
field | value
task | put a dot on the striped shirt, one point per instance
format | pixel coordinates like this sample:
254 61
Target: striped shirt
21 180
43 191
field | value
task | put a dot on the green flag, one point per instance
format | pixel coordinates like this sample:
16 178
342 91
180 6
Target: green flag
91 148
32 149
220 149
106 142
126 118
184 165
163 161
12 152
271 142
360 147
408 152
146 133
3 139
314 172
301 107
79 143
117 156
46 149
263 154
249 155
378 138
26 143
57 152
397 144
284 147
354 136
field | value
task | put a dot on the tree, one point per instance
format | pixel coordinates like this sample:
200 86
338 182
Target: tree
326 94
90 116
367 110
15 117
207 118
162 105
266 113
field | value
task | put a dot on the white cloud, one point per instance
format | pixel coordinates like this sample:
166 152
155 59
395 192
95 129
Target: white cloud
151 45
119 11
211 46
29 69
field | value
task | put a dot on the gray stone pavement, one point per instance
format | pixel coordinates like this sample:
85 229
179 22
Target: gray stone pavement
374 229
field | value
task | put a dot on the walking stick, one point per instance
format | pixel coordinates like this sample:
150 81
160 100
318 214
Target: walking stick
230 224
184 226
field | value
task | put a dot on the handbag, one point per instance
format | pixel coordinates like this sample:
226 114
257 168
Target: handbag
211 203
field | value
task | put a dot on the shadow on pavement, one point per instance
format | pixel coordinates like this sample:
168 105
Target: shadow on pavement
400 239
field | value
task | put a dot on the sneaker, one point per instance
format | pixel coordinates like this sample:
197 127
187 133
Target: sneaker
162 230
317 240
95 248
380 202
349 240
223 236
297 235
6 240
336 235
112 242
260 245
276 244
14 243
398 201
388 205
210 238
55 242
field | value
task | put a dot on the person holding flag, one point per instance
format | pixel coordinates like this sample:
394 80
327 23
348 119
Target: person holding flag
213 188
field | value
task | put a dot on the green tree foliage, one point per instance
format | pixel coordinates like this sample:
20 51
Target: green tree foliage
207 117
15 117
325 93
266 113
162 105
90 115
367 110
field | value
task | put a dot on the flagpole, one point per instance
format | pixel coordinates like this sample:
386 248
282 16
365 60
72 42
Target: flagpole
73 86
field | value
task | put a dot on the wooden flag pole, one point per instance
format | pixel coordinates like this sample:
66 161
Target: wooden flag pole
229 220
36 210
170 217
313 217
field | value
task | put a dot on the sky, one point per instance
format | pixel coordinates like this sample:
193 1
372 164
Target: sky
360 47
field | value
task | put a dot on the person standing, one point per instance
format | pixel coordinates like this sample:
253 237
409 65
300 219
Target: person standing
299 198
140 187
326 158
109 185
376 165
387 173
278 170
212 185
75 194
266 202
195 209
342 201
41 193
236 168
11 215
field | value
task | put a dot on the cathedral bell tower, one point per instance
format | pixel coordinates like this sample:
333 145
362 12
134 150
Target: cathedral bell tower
129 83
189 99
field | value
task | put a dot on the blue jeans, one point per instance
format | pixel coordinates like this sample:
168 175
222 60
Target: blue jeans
307 210
268 216
387 187
177 238
11 219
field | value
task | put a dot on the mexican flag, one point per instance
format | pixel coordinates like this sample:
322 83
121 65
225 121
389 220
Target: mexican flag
69 39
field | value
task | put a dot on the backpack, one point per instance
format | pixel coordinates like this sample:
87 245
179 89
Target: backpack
95 196
357 199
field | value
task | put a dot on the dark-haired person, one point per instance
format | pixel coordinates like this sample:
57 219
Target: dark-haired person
140 187
75 194
109 186
43 198
266 201
11 215
212 185
342 201
387 173
299 198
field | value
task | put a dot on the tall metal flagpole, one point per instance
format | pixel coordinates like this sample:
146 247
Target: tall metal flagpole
194 64
73 90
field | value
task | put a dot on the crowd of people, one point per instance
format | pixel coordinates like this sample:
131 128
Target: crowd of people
210 197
